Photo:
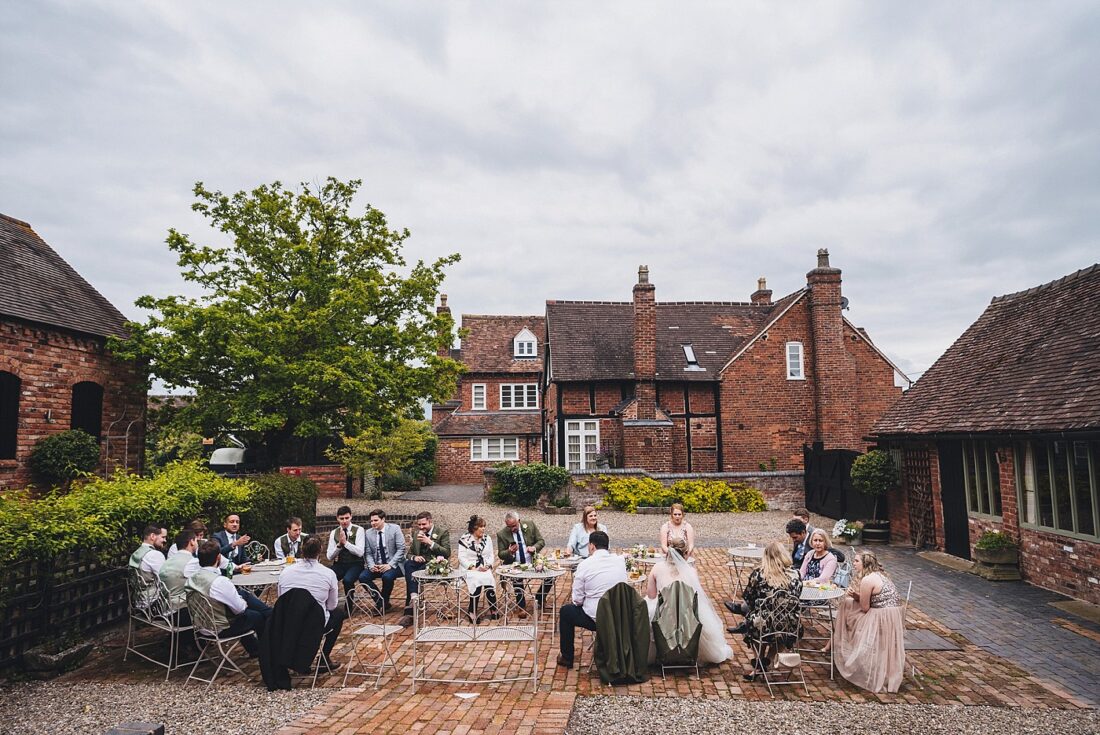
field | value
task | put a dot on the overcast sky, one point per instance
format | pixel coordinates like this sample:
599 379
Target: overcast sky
944 153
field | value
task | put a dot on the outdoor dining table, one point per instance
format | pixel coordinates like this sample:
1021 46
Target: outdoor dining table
742 558
819 603
261 576
513 578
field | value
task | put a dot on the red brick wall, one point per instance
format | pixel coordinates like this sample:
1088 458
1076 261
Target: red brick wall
648 447
833 369
330 479
874 389
492 385
454 466
49 362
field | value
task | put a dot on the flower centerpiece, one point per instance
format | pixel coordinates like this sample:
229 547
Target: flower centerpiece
637 551
438 566
538 563
848 530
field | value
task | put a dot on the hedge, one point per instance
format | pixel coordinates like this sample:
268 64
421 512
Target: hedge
523 484
697 496
105 514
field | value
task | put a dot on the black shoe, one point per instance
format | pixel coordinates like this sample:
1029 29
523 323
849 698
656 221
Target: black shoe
733 607
739 630
564 662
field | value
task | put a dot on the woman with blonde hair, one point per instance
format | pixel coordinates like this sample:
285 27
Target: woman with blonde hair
578 537
819 565
677 528
772 603
869 632
713 648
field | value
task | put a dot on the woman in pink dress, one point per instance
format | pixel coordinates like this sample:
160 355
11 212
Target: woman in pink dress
870 632
678 528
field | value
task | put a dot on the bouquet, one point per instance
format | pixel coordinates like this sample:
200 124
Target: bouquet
847 529
438 566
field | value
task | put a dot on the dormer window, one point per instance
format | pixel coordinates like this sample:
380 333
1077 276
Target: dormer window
525 344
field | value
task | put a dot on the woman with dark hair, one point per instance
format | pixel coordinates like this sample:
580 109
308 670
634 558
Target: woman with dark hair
476 555
869 631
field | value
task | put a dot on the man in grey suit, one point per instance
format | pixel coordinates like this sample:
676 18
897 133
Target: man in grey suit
384 557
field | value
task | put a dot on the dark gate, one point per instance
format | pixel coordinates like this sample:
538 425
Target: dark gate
829 490
956 530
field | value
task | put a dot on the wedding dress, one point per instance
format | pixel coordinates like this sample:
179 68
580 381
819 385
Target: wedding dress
713 648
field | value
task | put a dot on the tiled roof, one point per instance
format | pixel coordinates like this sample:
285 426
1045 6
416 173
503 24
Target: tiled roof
37 285
594 340
486 423
1028 364
487 348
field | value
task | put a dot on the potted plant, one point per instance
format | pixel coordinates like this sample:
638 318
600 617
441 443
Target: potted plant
874 474
996 556
850 532
603 458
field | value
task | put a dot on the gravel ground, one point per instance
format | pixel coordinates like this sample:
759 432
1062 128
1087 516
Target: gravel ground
90 708
711 529
637 715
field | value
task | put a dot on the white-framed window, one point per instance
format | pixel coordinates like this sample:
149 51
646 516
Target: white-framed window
795 369
525 344
477 396
494 448
982 478
582 442
519 395
1059 486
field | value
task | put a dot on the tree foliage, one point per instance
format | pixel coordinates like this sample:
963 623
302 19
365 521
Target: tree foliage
309 322
874 474
62 457
377 451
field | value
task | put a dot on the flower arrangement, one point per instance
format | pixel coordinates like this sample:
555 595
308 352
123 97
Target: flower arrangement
637 551
438 566
995 541
847 529
538 563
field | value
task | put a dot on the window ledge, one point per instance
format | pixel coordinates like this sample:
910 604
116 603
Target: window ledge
8 464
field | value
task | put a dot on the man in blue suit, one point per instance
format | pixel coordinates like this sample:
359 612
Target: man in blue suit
231 540
384 557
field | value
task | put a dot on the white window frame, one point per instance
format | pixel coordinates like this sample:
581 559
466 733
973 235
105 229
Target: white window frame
796 361
477 391
523 390
525 344
494 449
587 434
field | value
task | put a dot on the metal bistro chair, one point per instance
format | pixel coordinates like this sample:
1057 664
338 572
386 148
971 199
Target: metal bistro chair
374 630
365 600
913 671
256 552
782 630
151 605
208 641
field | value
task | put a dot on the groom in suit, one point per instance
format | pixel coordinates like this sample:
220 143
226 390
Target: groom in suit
517 543
231 540
383 558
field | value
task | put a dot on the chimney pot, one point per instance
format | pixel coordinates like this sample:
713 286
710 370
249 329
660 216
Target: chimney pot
443 300
643 274
762 294
823 258
761 284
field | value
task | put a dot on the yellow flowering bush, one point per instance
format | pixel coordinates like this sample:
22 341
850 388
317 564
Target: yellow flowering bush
697 496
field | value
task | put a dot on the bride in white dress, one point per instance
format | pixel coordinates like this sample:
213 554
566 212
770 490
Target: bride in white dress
713 648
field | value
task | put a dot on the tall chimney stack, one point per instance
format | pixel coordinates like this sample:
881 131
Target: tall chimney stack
763 294
444 351
832 369
645 345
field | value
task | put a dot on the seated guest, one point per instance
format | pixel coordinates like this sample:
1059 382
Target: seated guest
232 540
384 556
290 542
869 629
676 527
232 616
196 527
712 642
180 567
475 555
803 515
345 549
594 576
149 557
772 599
800 543
517 543
819 565
578 537
320 581
428 543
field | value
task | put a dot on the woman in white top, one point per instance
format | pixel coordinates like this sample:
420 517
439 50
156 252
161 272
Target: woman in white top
477 556
677 528
578 537
713 648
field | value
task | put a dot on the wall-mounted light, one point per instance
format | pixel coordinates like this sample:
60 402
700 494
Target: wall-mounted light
49 415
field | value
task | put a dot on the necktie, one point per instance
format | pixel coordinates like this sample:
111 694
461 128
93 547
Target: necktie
381 550
522 551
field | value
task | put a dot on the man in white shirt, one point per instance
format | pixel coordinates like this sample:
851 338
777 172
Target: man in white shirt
345 549
307 573
180 567
594 577
290 542
232 615
149 557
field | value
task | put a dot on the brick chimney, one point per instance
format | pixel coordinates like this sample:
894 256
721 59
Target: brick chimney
833 373
645 345
441 310
763 294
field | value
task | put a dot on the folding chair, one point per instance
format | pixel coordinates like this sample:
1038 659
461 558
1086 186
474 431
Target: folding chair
375 630
780 630
150 605
904 625
365 600
209 642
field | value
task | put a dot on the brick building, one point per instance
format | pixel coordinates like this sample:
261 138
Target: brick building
496 414
55 373
680 387
1003 432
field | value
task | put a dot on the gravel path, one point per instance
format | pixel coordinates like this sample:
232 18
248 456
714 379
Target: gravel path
711 529
637 715
89 708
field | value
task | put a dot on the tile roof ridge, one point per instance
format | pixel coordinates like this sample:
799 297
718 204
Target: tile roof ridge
503 316
16 221
557 302
1095 267
708 303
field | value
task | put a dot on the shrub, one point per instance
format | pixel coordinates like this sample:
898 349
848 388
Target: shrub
423 467
995 541
627 493
400 482
523 484
63 457
698 496
274 498
748 499
874 474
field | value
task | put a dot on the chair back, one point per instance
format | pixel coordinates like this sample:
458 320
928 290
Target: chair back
256 551
777 614
622 636
203 617
676 626
842 577
148 598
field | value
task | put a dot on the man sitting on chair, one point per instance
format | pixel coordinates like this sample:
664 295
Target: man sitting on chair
319 581
517 542
232 614
345 549
290 542
594 577
231 541
149 557
179 568
384 557
428 543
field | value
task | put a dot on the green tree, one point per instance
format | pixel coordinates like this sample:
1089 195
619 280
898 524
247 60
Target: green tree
874 474
377 451
61 458
310 322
